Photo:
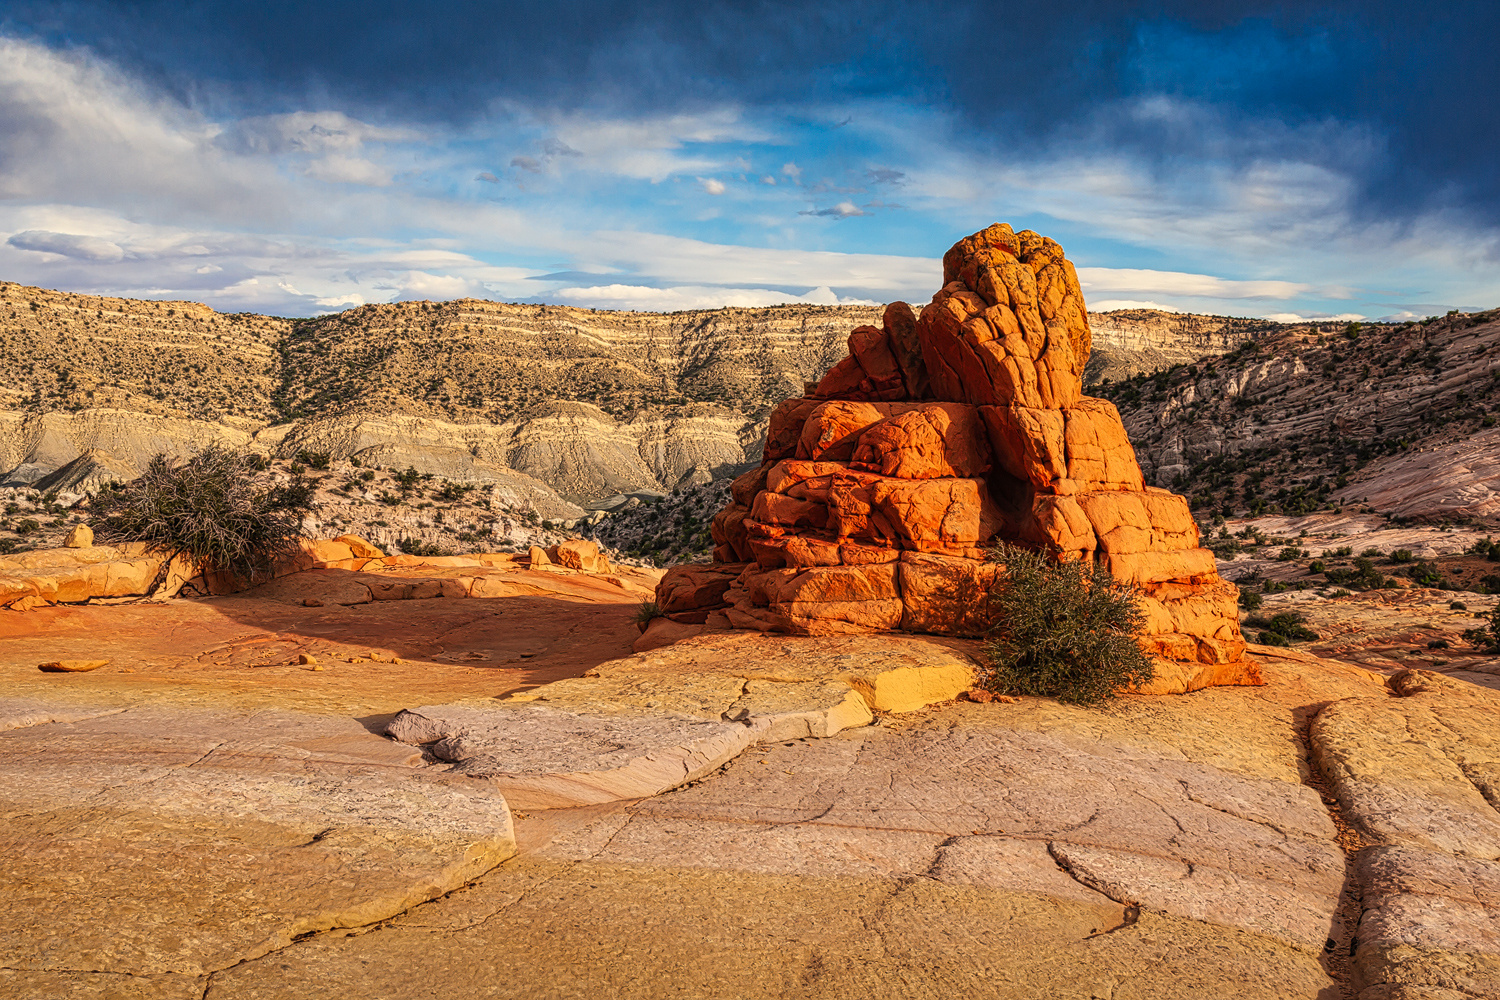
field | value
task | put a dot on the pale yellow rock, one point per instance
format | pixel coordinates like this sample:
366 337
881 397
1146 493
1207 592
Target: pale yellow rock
906 689
71 666
81 537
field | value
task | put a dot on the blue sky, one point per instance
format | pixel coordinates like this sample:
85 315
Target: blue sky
1256 159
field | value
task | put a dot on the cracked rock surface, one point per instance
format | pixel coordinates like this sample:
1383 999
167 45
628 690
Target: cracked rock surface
1417 774
200 820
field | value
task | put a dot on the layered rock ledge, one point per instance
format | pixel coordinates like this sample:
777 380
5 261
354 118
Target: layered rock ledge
881 489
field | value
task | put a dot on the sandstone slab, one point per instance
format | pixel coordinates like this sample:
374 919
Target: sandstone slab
225 835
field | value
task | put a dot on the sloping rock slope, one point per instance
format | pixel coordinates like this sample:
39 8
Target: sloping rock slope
1400 417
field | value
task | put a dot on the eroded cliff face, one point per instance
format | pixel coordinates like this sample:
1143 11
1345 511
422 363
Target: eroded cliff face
591 403
1396 415
1131 342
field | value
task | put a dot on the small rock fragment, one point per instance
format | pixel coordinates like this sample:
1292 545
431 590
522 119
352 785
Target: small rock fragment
71 666
311 602
306 659
81 537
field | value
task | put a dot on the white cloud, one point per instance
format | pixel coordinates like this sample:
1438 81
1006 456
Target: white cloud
843 210
1303 317
1110 305
1117 279
646 299
791 170
349 170
712 185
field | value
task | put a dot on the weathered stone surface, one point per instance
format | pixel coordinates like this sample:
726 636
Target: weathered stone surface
915 858
944 434
71 666
226 837
80 536
1417 770
546 758
836 866
1431 922
643 725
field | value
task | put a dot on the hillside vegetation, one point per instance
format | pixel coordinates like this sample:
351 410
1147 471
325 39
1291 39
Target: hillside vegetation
1313 416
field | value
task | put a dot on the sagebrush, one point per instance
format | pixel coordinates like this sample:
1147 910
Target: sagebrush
1064 630
215 508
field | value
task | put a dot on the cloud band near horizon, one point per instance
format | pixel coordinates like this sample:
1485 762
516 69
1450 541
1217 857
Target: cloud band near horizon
1242 159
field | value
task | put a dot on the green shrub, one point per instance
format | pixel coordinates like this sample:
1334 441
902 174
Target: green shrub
217 509
1437 644
647 611
1401 556
1250 600
1316 566
315 459
417 547
28 526
1486 636
1425 574
1286 626
1370 553
1062 630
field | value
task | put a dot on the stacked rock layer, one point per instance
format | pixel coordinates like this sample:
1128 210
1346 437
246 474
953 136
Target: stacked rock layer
882 488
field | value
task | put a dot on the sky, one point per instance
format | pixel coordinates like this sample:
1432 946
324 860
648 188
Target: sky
1282 160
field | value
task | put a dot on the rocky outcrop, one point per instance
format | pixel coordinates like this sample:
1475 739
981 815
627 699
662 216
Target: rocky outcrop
1135 341
880 491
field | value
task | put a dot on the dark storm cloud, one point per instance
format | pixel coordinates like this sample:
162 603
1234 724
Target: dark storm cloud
1261 79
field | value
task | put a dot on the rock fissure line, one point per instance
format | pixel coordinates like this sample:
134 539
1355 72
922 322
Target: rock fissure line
1338 952
1062 863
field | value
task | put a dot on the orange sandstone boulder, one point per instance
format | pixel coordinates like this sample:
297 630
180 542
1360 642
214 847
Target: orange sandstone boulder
939 435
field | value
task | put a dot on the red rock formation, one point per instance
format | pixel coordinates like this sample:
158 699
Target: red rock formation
937 436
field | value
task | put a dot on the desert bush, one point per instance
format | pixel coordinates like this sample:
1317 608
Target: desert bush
1316 566
1486 636
216 509
1425 574
1401 556
1458 606
417 547
1250 600
1062 630
1283 629
647 611
1364 575
313 459
1437 644
28 526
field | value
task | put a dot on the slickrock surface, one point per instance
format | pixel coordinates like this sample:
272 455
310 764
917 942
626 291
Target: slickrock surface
207 817
879 490
1162 847
648 723
1419 776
